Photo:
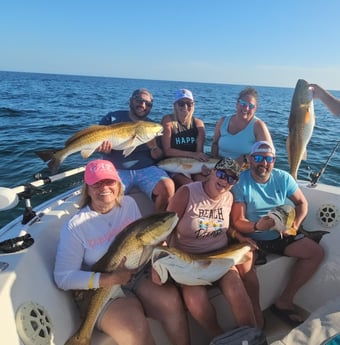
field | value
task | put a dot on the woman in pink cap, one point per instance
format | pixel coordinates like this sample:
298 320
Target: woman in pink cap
104 212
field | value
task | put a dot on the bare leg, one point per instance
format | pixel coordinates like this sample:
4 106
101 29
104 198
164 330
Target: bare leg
309 255
125 322
164 303
251 283
197 300
162 193
233 289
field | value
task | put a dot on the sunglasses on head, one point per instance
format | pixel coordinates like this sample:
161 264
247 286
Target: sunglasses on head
185 103
224 176
140 100
246 104
260 159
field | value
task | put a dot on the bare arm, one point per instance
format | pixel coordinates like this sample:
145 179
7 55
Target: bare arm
216 137
330 101
179 201
301 207
261 131
172 152
244 225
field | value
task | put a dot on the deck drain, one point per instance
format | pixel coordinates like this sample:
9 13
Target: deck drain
33 324
328 215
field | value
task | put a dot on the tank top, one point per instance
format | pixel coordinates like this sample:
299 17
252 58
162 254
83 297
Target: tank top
183 138
204 224
235 145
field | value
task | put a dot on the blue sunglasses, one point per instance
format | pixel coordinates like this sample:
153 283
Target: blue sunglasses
260 159
224 176
246 104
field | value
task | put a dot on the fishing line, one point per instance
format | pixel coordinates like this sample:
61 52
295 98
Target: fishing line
315 176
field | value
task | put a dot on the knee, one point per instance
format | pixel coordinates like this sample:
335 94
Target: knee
165 187
319 254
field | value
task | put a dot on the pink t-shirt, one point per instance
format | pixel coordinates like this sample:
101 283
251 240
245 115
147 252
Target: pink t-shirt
204 224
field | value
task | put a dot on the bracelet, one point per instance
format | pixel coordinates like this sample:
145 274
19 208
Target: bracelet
91 280
233 234
255 228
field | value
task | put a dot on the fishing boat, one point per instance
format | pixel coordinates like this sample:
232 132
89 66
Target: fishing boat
35 312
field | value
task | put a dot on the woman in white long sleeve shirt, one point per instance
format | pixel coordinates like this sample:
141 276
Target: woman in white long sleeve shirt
85 238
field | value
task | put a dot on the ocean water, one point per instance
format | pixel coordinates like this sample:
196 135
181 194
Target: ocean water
39 111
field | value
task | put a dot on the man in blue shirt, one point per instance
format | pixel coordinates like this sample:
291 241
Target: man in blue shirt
139 168
260 189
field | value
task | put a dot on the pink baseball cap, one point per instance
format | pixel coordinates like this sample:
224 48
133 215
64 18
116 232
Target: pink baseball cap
98 170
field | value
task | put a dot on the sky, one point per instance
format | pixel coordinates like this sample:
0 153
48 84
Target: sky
258 42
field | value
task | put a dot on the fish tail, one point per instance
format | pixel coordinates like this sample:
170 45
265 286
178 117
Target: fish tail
76 339
52 157
46 155
54 164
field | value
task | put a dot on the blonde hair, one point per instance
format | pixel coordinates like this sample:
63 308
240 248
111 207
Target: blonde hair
188 123
85 198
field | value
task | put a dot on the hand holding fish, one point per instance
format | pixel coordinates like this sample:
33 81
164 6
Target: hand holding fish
264 223
105 147
247 240
201 156
120 276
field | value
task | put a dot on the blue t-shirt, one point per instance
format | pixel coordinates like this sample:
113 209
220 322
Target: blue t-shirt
260 198
140 158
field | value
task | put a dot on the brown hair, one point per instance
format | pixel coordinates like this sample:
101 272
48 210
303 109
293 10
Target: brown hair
249 91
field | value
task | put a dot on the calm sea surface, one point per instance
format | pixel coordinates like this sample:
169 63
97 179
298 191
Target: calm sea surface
39 111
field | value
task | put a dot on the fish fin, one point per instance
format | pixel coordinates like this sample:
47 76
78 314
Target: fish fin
54 165
86 153
128 151
304 156
129 164
45 155
287 148
52 157
292 231
86 131
145 255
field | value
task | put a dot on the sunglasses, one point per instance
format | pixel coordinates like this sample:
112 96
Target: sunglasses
140 100
246 104
232 180
260 159
183 103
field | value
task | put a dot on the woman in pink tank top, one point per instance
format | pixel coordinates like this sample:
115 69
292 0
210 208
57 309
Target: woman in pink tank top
203 209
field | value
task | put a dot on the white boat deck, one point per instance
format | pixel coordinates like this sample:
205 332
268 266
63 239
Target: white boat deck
29 275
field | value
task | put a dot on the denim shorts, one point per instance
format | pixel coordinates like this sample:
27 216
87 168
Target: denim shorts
145 179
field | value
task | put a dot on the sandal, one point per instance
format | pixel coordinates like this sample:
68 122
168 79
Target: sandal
288 315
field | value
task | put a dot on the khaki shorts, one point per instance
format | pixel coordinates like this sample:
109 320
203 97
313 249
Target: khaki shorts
83 298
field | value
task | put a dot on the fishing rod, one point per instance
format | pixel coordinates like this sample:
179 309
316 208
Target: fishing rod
315 176
9 197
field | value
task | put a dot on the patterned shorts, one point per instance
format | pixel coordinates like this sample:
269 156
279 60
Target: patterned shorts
145 179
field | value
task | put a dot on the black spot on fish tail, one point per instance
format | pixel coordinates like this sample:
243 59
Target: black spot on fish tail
45 155
313 235
54 164
49 156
